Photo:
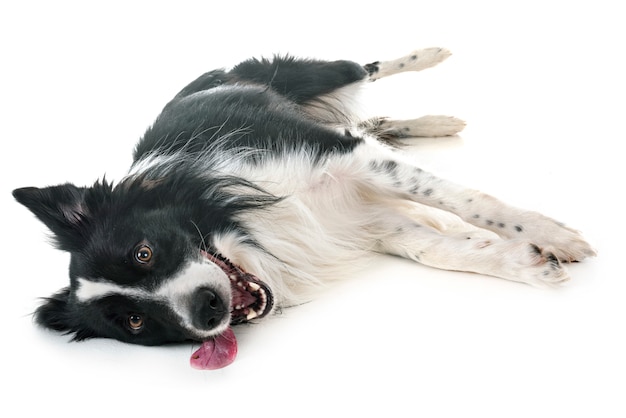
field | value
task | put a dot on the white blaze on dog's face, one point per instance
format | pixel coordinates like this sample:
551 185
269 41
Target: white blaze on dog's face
198 298
198 302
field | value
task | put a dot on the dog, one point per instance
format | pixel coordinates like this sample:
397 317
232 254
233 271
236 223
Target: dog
257 183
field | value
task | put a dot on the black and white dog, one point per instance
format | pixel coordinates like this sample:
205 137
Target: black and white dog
258 182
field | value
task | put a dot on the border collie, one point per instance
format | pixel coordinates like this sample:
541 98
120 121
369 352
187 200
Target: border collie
256 183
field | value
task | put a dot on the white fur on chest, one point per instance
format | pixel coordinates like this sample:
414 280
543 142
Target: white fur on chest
321 230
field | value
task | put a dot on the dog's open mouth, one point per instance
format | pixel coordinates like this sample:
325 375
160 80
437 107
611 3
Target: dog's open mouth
251 298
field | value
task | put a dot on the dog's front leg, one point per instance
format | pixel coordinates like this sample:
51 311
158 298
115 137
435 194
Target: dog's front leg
389 173
517 260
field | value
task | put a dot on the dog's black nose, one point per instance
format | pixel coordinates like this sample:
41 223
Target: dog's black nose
207 308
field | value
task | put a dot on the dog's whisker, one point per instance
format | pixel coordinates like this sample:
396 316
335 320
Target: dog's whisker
203 245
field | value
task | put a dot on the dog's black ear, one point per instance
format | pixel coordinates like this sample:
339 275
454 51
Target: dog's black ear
54 312
57 313
61 208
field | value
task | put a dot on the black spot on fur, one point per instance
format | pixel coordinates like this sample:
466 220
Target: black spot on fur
428 192
413 57
390 166
501 225
489 222
476 216
518 228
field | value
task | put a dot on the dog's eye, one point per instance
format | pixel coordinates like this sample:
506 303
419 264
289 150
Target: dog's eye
143 254
135 322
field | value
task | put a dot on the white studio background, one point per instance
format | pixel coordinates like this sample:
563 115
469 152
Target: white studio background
541 85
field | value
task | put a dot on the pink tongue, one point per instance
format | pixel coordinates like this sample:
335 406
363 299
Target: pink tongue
216 353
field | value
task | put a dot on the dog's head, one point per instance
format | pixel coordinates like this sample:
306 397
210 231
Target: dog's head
142 269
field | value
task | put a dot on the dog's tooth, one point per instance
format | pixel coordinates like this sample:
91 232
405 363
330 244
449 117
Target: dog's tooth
240 284
253 286
251 315
232 277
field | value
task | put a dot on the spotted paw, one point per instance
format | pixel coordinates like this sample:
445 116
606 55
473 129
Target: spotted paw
566 243
570 246
539 267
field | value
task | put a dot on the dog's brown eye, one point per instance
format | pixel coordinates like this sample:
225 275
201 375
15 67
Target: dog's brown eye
143 254
135 322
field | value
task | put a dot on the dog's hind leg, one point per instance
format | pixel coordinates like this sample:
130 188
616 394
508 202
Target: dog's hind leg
516 260
415 61
300 80
426 126
325 90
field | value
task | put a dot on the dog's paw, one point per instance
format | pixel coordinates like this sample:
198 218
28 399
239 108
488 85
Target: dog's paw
571 246
566 243
531 264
